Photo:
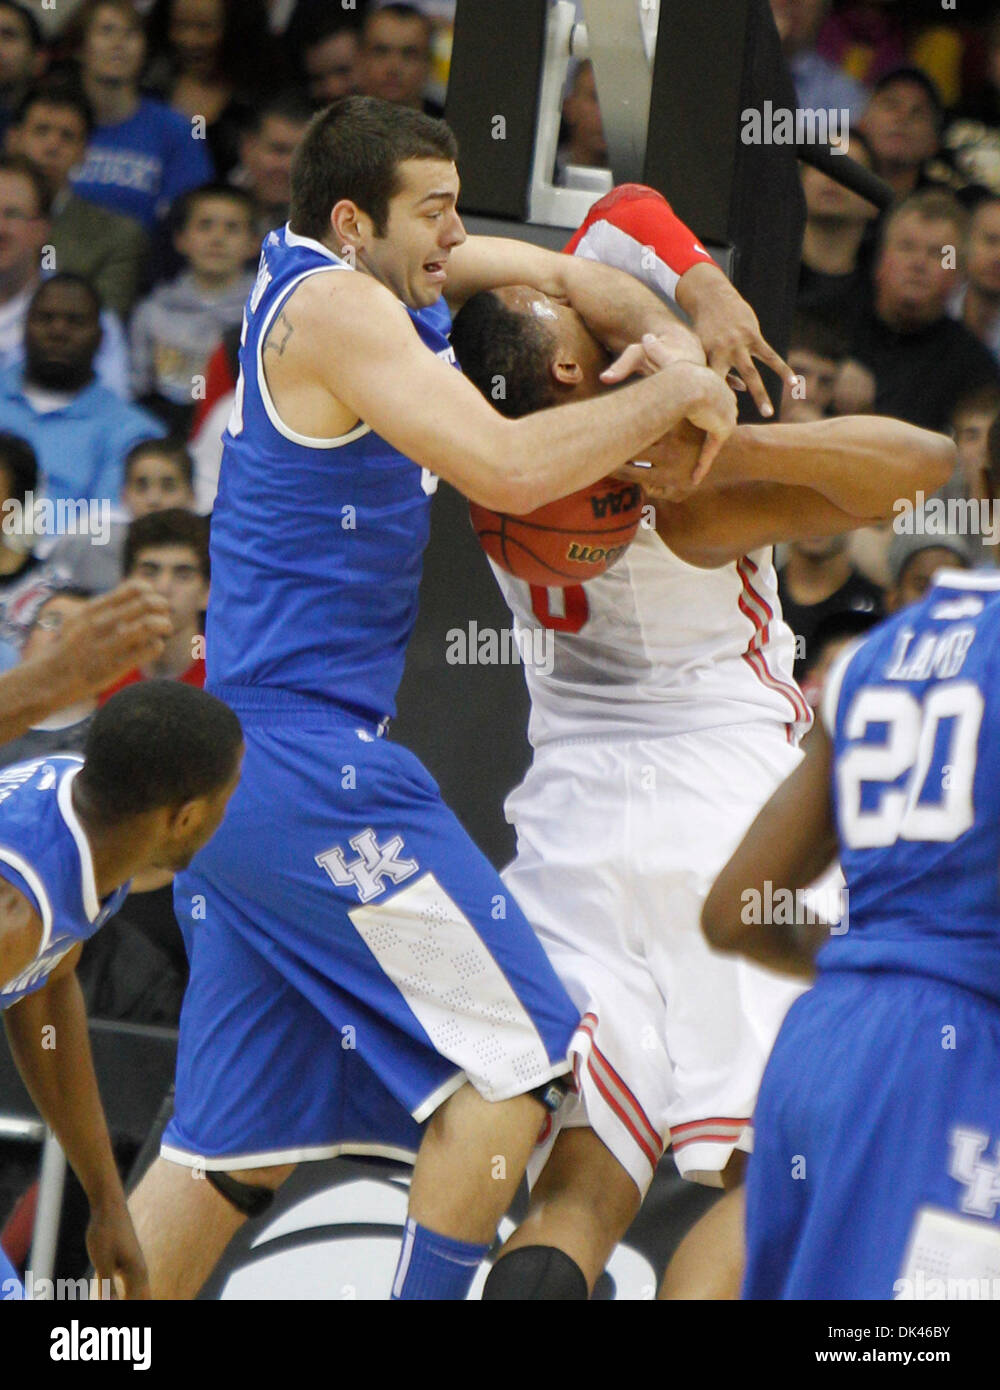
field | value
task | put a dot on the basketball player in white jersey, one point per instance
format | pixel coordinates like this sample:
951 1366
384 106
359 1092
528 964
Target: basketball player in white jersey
665 720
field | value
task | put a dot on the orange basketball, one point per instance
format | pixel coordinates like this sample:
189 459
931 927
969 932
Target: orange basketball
564 542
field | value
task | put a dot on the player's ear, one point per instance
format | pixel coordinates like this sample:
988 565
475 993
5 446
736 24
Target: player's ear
566 371
181 818
346 220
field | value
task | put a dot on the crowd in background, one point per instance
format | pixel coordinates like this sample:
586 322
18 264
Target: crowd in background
145 150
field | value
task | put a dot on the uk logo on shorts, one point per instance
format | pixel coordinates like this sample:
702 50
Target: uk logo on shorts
375 863
980 1180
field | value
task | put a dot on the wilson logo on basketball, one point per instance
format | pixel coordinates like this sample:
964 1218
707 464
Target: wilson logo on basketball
594 554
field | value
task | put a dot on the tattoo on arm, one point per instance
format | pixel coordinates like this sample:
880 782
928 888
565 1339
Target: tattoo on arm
279 341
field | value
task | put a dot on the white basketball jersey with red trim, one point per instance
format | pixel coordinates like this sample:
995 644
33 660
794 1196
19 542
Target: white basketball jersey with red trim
656 646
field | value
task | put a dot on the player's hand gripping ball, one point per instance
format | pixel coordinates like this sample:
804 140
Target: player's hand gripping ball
565 542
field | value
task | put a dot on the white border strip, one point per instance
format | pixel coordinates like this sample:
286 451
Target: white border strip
965 579
273 1157
427 1107
11 857
307 441
88 883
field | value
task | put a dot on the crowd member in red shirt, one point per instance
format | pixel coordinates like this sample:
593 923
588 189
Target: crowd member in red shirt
169 550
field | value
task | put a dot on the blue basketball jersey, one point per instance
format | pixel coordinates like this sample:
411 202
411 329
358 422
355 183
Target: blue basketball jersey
914 715
45 854
317 544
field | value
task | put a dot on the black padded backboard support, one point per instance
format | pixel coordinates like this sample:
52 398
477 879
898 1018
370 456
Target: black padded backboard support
712 63
496 66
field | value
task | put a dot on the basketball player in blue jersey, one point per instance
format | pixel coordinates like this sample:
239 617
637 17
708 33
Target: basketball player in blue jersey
876 1165
160 763
357 970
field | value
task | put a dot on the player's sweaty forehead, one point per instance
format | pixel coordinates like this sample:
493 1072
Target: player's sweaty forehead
560 320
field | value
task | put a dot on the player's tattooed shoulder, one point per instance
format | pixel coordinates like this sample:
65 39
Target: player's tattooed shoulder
281 331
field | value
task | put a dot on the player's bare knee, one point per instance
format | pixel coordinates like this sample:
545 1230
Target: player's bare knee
582 1172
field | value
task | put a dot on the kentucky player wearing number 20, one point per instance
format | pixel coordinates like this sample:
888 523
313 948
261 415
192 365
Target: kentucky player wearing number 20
160 764
876 1168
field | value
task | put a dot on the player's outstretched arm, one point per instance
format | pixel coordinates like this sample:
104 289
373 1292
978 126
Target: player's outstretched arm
863 464
108 637
384 375
774 483
48 1037
790 844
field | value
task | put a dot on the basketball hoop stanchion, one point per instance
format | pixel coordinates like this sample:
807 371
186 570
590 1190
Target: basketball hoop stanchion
547 203
620 46
615 39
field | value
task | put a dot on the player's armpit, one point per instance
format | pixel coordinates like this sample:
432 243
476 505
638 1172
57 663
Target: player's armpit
20 932
790 844
68 964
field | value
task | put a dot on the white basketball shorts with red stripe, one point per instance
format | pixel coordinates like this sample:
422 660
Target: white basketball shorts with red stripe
618 845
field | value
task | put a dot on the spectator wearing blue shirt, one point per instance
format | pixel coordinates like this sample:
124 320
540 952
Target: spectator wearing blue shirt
25 228
142 155
79 429
819 84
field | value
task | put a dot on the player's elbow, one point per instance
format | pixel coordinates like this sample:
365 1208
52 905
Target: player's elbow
933 460
511 476
720 920
928 461
524 493
501 489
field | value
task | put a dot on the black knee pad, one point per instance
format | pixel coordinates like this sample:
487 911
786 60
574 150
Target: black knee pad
537 1274
248 1201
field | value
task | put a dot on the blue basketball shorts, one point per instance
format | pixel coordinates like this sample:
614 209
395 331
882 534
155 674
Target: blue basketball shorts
876 1165
354 959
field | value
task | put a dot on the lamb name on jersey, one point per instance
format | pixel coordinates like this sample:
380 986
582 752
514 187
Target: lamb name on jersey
912 712
657 646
